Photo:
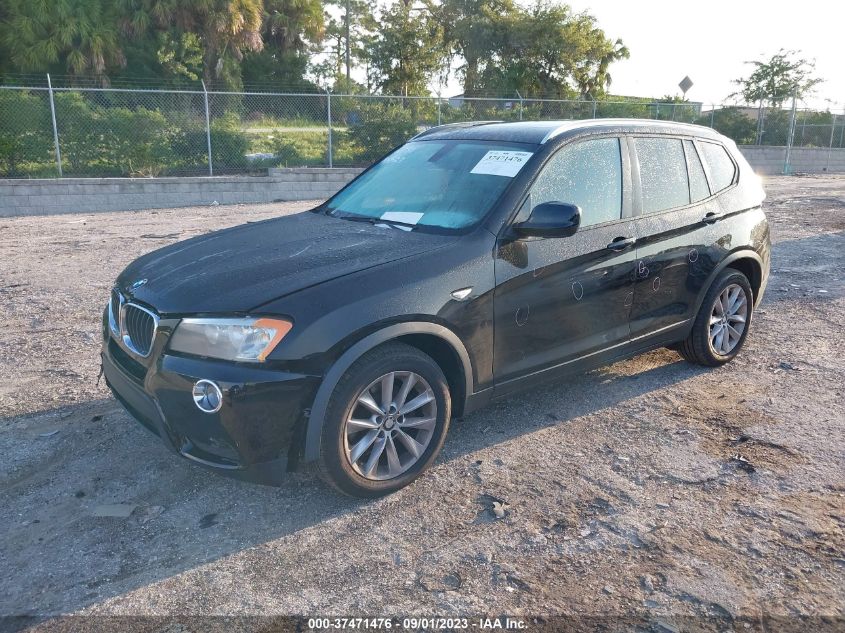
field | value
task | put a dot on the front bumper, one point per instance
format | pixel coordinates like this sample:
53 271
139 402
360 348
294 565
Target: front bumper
256 434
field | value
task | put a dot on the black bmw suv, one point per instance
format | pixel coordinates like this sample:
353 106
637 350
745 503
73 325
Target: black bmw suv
475 260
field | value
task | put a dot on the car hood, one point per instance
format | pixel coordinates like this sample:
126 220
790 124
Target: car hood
241 268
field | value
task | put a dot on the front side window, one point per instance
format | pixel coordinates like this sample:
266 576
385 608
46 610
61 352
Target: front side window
663 173
587 174
721 166
442 185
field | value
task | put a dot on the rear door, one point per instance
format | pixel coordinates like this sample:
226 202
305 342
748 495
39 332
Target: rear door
560 299
680 237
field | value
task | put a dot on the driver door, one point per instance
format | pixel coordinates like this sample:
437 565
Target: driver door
558 300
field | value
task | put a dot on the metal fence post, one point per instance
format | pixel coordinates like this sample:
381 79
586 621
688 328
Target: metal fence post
595 104
712 116
842 132
803 128
830 145
787 167
55 128
329 116
207 128
519 96
438 109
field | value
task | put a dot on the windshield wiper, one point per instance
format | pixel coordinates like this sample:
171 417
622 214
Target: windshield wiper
370 220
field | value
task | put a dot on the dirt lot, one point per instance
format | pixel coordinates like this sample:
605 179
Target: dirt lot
651 488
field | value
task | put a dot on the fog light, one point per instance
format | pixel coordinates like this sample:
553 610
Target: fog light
207 396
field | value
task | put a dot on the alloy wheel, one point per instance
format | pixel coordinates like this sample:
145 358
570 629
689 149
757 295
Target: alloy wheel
390 425
728 319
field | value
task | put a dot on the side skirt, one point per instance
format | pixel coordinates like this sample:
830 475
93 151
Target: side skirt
660 338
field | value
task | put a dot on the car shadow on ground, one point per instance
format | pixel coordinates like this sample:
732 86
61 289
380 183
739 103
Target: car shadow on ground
186 516
69 462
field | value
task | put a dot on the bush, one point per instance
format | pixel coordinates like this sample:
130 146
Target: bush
733 123
302 149
229 144
382 127
80 132
137 142
26 134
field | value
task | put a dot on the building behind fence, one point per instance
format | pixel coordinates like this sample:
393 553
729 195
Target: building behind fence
48 132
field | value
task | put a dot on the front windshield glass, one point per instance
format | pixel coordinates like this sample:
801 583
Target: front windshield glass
442 184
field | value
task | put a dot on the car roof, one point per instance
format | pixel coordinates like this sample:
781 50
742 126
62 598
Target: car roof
539 132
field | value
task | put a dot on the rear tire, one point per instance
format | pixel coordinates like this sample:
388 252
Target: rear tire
385 423
722 323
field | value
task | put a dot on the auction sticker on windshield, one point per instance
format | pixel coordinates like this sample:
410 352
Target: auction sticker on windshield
408 217
501 163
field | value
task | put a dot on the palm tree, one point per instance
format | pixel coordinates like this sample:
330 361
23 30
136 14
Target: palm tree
76 36
227 28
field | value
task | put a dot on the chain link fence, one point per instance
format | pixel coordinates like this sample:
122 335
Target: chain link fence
49 132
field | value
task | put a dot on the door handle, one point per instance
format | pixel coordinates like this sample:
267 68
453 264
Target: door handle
710 217
621 243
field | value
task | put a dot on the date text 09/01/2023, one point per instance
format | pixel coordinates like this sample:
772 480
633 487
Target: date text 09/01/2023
417 623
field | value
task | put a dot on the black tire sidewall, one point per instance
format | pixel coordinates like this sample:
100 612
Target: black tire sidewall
394 357
701 329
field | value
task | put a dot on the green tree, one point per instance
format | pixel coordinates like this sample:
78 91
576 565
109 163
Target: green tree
77 37
290 31
168 58
551 52
473 31
226 29
775 80
349 24
409 50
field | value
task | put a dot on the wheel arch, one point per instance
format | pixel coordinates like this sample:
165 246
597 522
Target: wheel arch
753 271
436 340
746 261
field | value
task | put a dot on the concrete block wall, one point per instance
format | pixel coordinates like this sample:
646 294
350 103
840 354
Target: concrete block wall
769 160
81 195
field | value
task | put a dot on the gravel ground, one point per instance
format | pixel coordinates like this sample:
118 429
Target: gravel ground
650 489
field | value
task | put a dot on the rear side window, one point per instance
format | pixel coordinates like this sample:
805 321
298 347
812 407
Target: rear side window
698 188
663 173
722 169
587 174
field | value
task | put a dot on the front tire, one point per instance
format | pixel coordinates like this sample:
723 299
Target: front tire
722 323
385 423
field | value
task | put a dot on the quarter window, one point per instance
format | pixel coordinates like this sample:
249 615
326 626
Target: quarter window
722 170
698 188
587 174
663 173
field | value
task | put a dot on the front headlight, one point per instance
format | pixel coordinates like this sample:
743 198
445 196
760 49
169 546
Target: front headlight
230 339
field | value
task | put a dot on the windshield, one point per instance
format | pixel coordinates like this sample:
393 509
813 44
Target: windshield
443 184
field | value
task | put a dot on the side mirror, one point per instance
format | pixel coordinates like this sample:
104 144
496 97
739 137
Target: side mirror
551 219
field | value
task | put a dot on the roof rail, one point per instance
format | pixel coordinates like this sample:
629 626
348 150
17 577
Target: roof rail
459 125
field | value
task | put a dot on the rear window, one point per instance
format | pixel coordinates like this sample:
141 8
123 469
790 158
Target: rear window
722 169
663 173
698 189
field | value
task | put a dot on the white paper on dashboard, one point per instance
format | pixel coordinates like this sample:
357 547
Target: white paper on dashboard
408 217
501 163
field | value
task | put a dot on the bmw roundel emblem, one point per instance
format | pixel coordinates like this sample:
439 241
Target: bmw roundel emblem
138 284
